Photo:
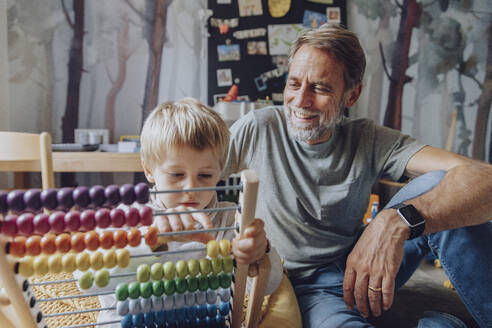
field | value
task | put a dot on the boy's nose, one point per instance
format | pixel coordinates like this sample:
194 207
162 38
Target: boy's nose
191 183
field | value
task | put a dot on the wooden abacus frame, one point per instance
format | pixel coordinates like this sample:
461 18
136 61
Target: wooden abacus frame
16 294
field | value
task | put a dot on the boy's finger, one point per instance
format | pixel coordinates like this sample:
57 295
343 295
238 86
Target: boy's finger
175 222
256 227
162 224
188 222
203 219
202 237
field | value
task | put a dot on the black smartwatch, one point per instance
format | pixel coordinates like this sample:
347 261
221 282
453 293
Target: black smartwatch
412 217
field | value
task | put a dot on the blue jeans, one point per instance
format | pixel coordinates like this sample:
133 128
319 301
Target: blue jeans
465 255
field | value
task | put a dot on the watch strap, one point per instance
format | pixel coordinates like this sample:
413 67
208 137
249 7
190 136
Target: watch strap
415 230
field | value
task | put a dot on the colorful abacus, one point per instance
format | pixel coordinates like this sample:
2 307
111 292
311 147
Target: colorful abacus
49 232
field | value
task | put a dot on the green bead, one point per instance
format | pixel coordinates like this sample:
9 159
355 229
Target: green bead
169 270
182 269
157 271
146 289
181 285
102 278
216 265
205 266
143 273
228 264
192 284
169 287
202 283
134 290
158 287
213 281
121 292
193 267
86 280
225 280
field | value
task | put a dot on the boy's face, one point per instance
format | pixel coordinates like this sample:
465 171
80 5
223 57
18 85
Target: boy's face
185 168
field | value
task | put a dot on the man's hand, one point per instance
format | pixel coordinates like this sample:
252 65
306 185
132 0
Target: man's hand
375 261
251 247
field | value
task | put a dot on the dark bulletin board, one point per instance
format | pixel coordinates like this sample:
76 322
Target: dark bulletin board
250 67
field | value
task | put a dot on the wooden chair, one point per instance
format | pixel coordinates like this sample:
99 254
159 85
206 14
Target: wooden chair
31 149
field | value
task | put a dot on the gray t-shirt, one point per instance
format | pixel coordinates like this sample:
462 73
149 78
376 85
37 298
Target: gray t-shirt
313 197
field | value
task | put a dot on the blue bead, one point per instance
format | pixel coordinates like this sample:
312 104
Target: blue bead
170 316
220 320
138 320
160 317
180 314
201 311
211 310
190 312
199 322
126 322
224 308
210 322
149 319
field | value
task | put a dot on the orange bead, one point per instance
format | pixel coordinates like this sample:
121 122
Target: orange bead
18 246
33 245
78 242
151 236
106 239
63 243
48 243
91 240
120 238
134 237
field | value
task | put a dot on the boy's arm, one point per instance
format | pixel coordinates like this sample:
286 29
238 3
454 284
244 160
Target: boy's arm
276 271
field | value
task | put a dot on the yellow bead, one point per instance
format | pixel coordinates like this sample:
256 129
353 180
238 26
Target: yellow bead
205 266
97 261
55 263
26 268
225 247
181 269
213 248
69 262
109 259
41 265
83 261
123 257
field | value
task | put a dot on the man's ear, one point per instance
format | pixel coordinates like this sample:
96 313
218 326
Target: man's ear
147 172
353 95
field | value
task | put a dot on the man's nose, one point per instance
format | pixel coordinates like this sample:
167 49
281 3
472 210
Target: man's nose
303 97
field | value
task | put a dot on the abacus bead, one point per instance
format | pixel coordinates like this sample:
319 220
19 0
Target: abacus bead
216 265
65 198
151 236
55 263
158 288
168 302
102 278
146 216
88 220
117 217
201 298
212 310
156 271
213 248
57 222
32 199
205 266
225 294
63 242
213 281
26 268
192 283
189 299
42 223
134 237
169 270
18 246
132 217
106 239
69 262
179 311
122 257
181 285
122 308
138 320
225 280
170 318
109 259
97 260
103 218
228 264
201 311
40 265
169 287
202 283
146 304
224 308
134 290
33 245
160 318
121 292
9 225
15 200
181 268
48 243
211 296
142 192
25 224
156 303
112 194
127 193
149 319
78 242
96 193
91 240
143 273
134 306
193 267
210 322
126 322
81 196
72 221
220 321
120 238
3 202
48 198
83 261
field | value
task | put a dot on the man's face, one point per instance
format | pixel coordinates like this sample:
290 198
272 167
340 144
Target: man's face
314 94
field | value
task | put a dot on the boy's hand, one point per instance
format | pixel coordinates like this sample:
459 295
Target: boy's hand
180 222
252 246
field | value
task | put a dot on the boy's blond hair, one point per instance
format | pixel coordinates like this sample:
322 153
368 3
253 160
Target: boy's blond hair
185 122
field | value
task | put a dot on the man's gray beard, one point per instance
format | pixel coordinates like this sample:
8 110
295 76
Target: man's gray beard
312 133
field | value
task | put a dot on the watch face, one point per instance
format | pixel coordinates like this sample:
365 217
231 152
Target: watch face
411 215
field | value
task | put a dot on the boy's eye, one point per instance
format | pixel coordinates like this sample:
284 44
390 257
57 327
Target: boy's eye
205 175
175 174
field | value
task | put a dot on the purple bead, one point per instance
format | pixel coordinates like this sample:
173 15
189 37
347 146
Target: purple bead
9 225
3 202
103 218
97 195
112 194
81 196
117 217
25 224
88 220
41 223
72 221
57 222
65 198
146 217
142 193
127 193
132 216
15 201
32 199
48 198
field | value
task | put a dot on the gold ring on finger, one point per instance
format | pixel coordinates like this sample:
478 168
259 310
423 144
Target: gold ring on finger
375 289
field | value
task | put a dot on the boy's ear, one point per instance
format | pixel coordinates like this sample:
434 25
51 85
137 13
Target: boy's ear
147 172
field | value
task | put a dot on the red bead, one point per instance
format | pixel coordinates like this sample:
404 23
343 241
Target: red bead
117 217
48 243
103 218
91 240
57 222
33 245
106 239
146 216
78 242
18 246
9 225
132 216
151 236
120 238
134 237
72 221
42 223
88 220
63 243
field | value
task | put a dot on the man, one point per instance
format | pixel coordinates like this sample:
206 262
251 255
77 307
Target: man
316 169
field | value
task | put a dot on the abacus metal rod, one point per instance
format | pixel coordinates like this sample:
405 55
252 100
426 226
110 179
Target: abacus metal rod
64 281
189 232
61 298
93 324
79 312
218 188
205 210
